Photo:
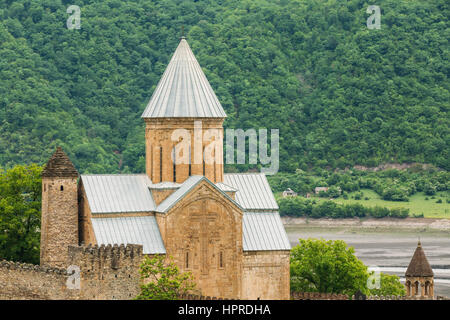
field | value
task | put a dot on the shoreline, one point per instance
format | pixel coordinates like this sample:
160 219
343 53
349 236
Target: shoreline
407 224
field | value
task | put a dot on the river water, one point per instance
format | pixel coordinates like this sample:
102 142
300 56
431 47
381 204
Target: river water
389 250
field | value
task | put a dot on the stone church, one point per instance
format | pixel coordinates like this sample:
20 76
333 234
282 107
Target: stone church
224 228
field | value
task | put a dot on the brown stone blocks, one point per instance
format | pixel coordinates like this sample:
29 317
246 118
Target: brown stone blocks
161 135
59 222
266 275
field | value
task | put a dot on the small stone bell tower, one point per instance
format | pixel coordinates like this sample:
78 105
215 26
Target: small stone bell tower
419 276
59 220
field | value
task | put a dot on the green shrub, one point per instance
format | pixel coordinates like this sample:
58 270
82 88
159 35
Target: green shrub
399 212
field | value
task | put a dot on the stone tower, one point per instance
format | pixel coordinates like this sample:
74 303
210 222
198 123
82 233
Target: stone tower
184 132
59 220
419 276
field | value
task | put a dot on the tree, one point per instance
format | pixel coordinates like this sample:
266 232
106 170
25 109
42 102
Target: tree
389 285
327 266
163 281
20 213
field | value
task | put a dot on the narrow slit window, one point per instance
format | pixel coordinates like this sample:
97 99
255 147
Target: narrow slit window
190 162
160 163
221 259
187 259
62 188
174 166
203 161
151 162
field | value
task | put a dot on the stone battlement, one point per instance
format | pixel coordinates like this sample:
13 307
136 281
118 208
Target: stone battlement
105 272
317 296
94 257
31 267
129 250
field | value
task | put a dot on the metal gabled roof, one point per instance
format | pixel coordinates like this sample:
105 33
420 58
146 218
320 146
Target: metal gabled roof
116 193
183 90
130 230
254 191
188 185
264 231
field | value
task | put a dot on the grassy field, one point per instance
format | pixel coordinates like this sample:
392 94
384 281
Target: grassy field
416 204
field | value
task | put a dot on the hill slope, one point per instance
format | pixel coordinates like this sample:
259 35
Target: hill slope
340 94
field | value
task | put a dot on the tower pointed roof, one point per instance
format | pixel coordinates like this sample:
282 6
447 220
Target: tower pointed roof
419 266
59 165
183 91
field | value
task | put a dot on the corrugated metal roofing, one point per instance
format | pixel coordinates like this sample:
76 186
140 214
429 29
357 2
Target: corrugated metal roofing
264 231
254 191
183 90
118 193
130 230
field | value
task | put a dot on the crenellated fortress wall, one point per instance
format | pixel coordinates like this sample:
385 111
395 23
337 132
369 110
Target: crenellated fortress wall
105 272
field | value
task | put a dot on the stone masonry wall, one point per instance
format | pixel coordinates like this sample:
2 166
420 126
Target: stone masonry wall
158 136
266 275
59 226
106 272
32 282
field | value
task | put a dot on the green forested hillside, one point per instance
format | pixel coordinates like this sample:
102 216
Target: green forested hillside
340 94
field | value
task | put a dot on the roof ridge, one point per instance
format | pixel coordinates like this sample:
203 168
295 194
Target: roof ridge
186 187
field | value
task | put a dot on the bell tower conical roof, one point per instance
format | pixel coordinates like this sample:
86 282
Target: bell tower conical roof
419 265
59 165
183 91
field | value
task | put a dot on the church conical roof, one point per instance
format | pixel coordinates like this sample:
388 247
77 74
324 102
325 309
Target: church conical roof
183 91
59 165
419 266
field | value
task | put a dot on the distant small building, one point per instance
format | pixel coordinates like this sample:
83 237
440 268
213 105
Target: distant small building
308 195
319 189
289 193
419 276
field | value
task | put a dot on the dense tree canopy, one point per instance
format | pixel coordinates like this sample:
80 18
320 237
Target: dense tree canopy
340 94
327 266
20 213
